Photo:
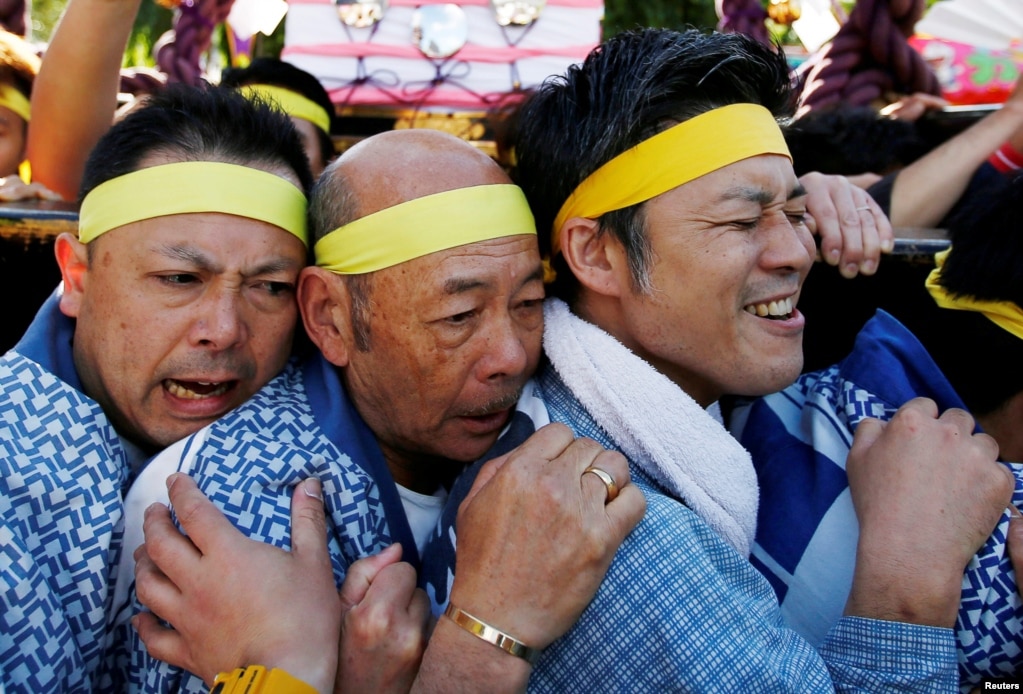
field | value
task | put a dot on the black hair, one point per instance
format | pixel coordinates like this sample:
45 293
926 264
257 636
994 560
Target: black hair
979 358
278 73
631 87
198 124
850 140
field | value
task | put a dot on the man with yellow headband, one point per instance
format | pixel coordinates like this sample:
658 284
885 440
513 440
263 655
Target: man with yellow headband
297 93
661 184
958 341
426 306
177 305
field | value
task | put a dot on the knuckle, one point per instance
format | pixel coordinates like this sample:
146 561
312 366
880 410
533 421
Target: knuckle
369 622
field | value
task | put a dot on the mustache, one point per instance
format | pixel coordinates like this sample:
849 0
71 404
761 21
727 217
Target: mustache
497 404
240 368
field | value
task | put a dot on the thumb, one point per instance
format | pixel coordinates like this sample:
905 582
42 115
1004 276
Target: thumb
867 432
308 521
361 574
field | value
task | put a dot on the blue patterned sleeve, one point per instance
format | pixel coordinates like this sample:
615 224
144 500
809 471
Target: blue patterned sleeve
870 655
680 610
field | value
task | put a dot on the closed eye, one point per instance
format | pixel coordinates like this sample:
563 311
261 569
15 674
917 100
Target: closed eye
746 224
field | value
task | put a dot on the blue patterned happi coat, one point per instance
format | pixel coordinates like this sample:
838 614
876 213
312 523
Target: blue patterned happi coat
681 611
72 511
807 530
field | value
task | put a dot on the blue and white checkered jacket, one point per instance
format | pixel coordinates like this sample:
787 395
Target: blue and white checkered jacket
807 530
681 610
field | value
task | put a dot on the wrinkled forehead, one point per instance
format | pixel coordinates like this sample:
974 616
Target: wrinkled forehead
763 180
494 266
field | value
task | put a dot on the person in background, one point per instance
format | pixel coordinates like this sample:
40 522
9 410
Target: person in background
297 93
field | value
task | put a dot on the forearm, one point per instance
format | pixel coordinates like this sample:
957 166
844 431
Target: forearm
928 188
75 94
457 661
885 591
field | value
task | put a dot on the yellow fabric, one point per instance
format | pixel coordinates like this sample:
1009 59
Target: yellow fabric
256 679
292 103
1004 314
16 101
680 154
190 187
425 225
25 171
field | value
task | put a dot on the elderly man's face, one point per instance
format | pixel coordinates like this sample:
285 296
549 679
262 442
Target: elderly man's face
454 336
182 318
730 253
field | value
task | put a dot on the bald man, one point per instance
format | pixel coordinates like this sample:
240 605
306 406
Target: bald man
426 306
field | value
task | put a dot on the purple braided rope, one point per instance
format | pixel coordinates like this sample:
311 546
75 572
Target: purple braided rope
178 55
870 56
743 17
12 16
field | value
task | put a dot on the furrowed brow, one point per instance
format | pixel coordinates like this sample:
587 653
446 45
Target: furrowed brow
192 256
760 196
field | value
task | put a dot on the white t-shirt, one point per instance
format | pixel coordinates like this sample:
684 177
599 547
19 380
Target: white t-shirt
423 511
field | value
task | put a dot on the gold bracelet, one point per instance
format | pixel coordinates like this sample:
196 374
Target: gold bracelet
506 643
256 679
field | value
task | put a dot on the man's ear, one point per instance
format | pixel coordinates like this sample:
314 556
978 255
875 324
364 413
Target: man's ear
325 304
595 259
73 259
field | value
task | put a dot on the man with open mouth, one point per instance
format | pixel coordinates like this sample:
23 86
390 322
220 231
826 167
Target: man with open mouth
666 197
178 306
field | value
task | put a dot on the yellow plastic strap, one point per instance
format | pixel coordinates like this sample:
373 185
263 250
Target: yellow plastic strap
16 101
425 225
292 103
672 157
1005 314
190 187
256 679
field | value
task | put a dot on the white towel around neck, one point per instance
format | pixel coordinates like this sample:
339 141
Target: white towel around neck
656 424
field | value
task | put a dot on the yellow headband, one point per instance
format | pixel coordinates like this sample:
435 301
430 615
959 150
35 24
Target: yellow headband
680 154
425 225
190 187
291 103
16 101
1005 314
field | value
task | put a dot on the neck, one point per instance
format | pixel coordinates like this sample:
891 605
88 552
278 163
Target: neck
606 313
420 473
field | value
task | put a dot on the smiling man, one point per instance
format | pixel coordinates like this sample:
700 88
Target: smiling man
663 188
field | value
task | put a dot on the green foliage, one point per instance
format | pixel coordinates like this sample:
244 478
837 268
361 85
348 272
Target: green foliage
671 14
150 24
43 18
